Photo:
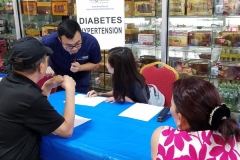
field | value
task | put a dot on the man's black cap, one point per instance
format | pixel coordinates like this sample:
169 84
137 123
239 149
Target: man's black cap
29 50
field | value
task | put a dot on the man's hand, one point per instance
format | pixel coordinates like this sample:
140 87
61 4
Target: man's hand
75 67
68 83
49 71
54 82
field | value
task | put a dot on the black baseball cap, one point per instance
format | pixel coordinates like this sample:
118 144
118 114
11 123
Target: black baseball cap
29 50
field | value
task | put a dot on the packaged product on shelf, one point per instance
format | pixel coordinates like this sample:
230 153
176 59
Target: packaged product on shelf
227 7
9 7
199 67
60 8
229 70
131 35
156 32
47 29
102 66
158 7
32 32
107 82
75 9
205 56
236 39
181 66
146 59
29 7
178 38
225 39
128 8
130 25
147 39
144 7
44 8
177 7
199 7
199 38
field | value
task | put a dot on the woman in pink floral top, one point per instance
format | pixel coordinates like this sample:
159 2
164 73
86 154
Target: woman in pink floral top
205 131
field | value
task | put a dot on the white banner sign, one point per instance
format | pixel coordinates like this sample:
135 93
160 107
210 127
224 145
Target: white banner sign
104 19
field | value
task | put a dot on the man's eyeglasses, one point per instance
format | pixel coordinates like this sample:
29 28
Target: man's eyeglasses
70 47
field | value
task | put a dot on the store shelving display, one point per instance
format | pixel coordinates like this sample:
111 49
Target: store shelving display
7 33
204 42
41 17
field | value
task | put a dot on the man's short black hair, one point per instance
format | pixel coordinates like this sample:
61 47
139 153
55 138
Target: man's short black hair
68 28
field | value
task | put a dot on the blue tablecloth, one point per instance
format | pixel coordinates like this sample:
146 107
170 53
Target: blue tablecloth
2 74
107 136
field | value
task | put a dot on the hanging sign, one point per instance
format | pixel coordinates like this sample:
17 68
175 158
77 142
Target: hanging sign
104 19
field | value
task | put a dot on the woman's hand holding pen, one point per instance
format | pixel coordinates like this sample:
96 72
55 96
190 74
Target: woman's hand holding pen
75 67
92 93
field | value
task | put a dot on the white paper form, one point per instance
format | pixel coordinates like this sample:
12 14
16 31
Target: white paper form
141 111
0 79
88 101
80 120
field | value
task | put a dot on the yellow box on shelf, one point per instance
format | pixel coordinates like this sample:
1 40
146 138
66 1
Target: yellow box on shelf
29 7
32 32
60 8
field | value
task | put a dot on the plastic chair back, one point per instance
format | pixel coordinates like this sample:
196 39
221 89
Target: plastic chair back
161 75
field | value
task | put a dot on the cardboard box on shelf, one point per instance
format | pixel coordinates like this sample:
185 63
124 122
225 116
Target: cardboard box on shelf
144 7
227 7
199 67
32 32
107 82
29 7
177 7
44 8
147 39
199 7
128 8
199 38
9 7
229 70
60 8
225 39
180 65
130 25
48 29
131 35
158 8
178 38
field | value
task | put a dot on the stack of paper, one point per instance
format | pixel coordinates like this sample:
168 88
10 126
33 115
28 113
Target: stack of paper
141 111
80 120
81 99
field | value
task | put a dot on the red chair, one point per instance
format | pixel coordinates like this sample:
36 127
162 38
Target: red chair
162 76
43 80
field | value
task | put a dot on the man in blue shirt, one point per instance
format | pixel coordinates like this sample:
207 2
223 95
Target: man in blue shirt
76 53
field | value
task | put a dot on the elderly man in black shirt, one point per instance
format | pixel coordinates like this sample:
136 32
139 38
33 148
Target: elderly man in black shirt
25 113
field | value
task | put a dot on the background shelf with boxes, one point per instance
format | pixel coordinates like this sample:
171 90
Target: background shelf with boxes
204 41
41 17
